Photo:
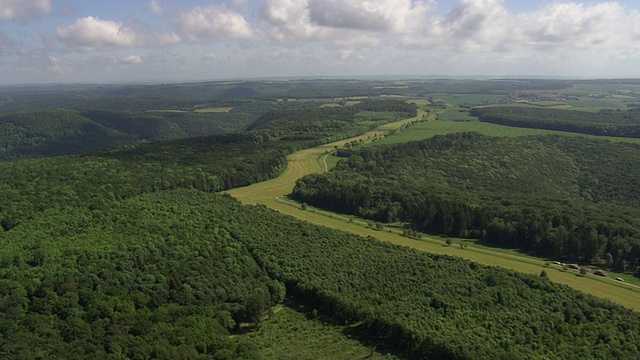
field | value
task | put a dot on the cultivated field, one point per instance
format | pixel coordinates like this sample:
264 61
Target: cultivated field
272 193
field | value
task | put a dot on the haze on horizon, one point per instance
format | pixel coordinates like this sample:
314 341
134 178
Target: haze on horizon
65 41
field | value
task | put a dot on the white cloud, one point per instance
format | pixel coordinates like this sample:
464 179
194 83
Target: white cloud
214 22
289 19
94 34
89 33
131 59
572 25
368 15
478 25
55 66
156 7
340 19
24 9
487 26
331 37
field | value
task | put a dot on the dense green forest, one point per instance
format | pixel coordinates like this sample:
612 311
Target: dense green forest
128 253
209 163
331 123
563 197
171 274
42 133
603 123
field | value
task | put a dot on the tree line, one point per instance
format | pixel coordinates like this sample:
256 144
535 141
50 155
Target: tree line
603 123
563 197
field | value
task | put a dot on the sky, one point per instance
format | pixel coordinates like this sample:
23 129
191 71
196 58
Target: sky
116 41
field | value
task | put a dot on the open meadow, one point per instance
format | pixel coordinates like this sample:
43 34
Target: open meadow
429 129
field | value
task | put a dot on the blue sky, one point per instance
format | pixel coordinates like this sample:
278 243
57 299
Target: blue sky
89 41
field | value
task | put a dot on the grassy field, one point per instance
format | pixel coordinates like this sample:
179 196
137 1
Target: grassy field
472 99
215 110
203 110
272 193
429 129
290 333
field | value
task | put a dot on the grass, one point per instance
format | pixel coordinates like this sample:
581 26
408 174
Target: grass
471 99
272 193
429 129
456 116
204 110
215 110
292 333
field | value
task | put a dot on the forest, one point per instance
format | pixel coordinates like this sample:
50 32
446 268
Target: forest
331 123
114 243
171 274
55 132
568 198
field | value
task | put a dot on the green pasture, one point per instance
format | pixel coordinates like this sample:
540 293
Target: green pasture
429 129
598 104
273 193
166 111
215 110
472 99
203 110
292 332
454 115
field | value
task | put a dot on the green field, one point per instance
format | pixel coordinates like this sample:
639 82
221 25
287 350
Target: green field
215 110
203 110
472 99
293 332
429 129
273 193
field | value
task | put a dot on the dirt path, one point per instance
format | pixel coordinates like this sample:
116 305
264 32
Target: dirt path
324 162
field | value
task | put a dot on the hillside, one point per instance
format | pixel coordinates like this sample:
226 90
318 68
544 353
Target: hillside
331 123
44 133
564 197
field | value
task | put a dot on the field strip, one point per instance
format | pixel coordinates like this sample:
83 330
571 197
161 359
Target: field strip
272 193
